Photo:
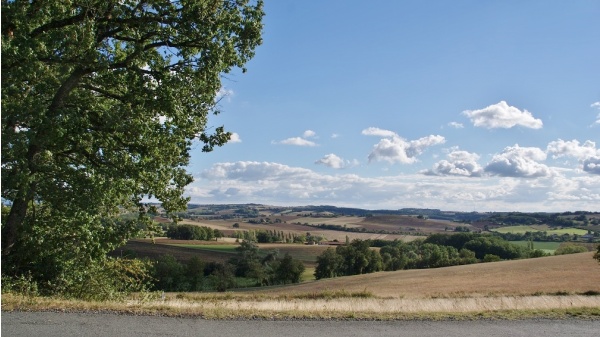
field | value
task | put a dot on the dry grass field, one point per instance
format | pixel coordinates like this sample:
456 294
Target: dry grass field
575 273
407 223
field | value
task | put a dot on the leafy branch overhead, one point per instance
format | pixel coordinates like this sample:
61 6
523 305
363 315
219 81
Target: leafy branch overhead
102 101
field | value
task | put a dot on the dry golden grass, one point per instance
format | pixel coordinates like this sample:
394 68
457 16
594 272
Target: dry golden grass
575 273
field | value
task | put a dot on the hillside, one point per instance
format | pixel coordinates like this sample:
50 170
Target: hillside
575 273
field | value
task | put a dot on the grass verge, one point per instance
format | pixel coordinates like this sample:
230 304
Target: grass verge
338 305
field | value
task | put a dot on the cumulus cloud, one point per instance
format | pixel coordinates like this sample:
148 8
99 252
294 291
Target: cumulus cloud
309 134
394 148
279 184
586 153
235 138
297 141
572 148
300 141
501 115
253 171
333 161
456 125
516 161
459 163
378 132
592 165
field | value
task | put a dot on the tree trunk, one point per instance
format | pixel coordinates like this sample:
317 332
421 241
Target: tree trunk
14 221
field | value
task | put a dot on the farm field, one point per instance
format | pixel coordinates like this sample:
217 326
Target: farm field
574 273
547 247
226 226
209 251
539 228
145 248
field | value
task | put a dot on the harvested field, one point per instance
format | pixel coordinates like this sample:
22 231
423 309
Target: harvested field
575 273
406 223
153 251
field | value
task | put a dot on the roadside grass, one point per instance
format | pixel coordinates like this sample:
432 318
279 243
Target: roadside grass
333 305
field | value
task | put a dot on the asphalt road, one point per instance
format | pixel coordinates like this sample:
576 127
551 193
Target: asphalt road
79 324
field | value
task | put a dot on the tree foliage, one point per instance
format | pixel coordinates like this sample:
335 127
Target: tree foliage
101 103
192 232
439 250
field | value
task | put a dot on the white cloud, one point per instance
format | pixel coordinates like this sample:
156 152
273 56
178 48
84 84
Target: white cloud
592 165
501 115
333 161
300 141
587 154
235 138
297 141
456 125
572 148
334 135
253 171
278 184
309 134
459 163
517 161
393 148
597 106
378 132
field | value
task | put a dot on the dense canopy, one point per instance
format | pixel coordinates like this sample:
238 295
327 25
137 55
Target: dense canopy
101 103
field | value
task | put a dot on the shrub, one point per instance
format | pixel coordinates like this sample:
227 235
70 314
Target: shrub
570 249
491 258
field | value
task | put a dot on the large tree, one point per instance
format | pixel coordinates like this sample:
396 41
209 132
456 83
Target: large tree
102 101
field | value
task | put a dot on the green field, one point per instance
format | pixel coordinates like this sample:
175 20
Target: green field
212 248
540 228
547 247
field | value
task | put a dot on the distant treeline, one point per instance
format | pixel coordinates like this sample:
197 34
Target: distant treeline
192 232
359 229
438 250
551 219
541 236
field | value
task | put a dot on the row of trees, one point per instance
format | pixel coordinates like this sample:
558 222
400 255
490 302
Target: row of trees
270 236
191 232
438 250
541 236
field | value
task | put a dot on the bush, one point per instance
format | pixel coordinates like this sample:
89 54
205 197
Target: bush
570 249
491 258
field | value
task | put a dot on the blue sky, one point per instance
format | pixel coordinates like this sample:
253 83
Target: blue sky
456 105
